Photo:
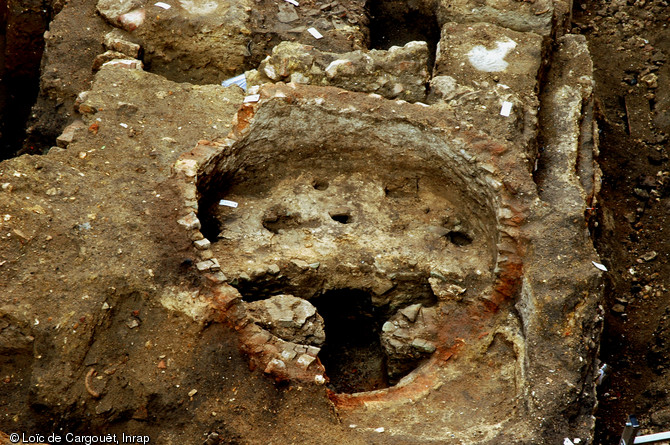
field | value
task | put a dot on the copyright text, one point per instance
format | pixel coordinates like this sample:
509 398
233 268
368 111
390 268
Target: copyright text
78 438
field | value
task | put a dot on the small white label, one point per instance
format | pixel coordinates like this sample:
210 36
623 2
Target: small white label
506 109
225 202
162 5
252 98
124 125
600 266
316 34
240 81
293 2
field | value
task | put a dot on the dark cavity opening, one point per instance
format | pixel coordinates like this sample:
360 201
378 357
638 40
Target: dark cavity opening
459 238
212 219
21 45
352 354
395 22
341 217
320 184
210 224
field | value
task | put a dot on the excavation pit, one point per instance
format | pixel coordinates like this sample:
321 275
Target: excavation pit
397 261
398 229
396 23
352 354
333 221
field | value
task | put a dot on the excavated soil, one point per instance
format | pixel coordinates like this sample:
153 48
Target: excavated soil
630 46
137 379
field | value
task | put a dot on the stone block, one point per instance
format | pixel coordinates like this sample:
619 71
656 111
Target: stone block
525 16
69 133
217 277
119 41
206 254
189 167
190 222
259 338
203 266
133 64
111 10
483 53
305 360
275 366
202 244
288 354
411 312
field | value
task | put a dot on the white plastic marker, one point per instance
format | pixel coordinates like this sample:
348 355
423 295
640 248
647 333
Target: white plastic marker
506 109
162 5
252 98
240 81
316 34
293 2
225 202
600 266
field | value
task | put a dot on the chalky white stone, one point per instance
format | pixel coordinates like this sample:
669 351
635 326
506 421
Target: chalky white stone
491 60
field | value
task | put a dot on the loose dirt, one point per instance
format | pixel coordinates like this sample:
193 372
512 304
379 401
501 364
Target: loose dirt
630 45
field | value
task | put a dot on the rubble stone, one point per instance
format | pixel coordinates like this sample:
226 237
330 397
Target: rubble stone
119 41
404 338
105 57
275 366
290 318
423 345
69 133
398 73
446 291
